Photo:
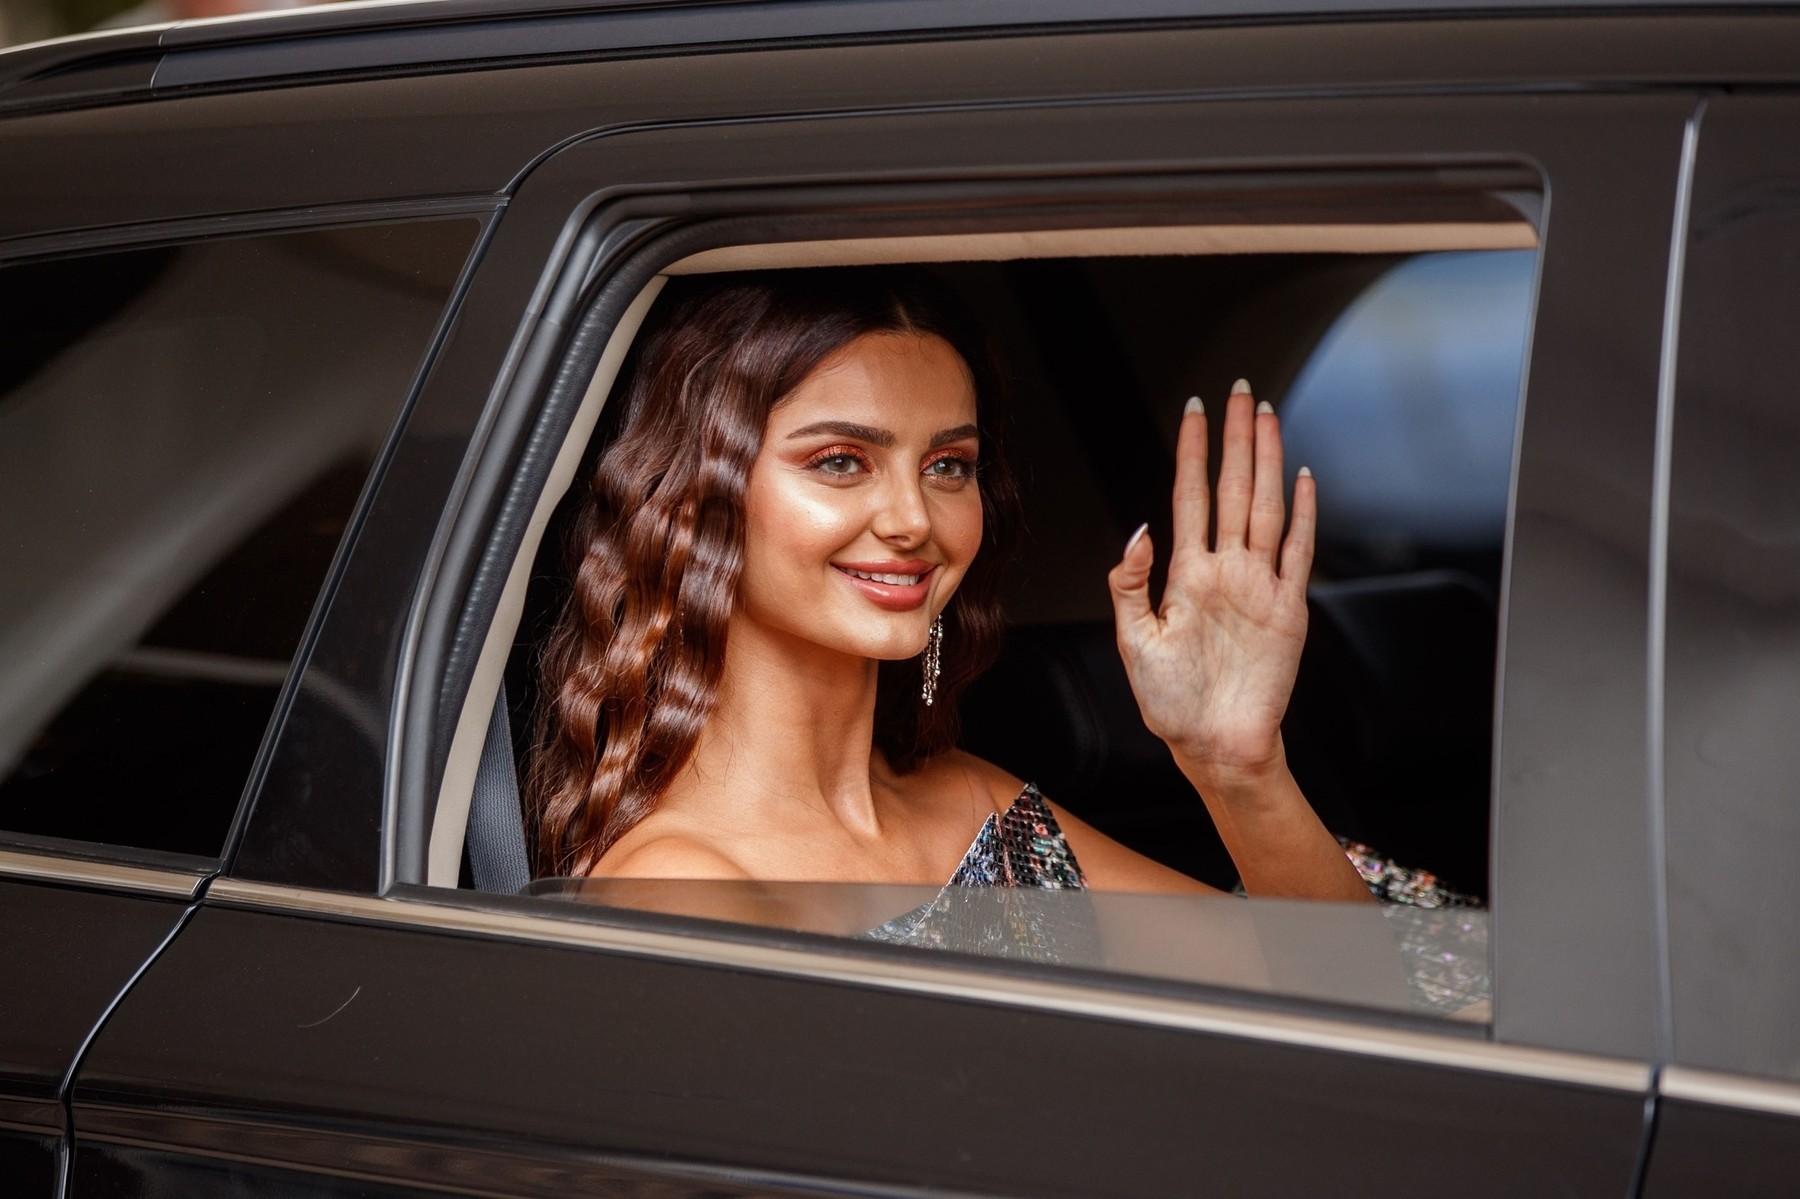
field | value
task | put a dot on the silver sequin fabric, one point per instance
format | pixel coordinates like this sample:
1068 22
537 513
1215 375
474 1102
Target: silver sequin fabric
1019 893
1390 882
990 905
1021 847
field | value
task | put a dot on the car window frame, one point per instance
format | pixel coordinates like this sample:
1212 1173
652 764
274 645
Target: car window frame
563 196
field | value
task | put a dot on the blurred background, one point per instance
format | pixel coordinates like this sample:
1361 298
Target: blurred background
34 20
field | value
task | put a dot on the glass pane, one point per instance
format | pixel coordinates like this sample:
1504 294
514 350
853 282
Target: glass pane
1393 957
183 434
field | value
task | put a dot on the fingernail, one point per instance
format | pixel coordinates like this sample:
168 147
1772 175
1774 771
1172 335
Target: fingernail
1241 387
1192 406
1137 537
1263 406
1306 472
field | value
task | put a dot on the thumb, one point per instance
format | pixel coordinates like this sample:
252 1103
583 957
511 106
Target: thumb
1130 581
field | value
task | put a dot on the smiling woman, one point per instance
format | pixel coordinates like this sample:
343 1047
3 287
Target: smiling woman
708 547
786 570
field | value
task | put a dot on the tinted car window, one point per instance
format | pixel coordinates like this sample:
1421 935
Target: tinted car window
183 434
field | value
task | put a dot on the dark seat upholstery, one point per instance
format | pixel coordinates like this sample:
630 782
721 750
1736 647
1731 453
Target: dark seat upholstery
1389 731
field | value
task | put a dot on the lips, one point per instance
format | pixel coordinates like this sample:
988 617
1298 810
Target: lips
895 586
892 580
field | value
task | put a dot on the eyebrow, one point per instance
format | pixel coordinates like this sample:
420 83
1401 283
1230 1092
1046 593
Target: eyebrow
880 437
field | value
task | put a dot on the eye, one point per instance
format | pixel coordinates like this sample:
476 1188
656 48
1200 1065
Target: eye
950 468
837 462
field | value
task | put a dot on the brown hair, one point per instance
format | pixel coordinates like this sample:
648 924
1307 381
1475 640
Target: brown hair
630 671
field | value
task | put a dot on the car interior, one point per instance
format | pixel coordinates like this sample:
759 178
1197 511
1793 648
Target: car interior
1396 363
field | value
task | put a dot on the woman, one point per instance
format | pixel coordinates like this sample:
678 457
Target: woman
786 571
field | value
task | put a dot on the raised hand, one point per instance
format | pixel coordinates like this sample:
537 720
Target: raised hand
1214 666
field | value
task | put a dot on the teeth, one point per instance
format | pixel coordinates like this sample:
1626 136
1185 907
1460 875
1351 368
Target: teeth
892 580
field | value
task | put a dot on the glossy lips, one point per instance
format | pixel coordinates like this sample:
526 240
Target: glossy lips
896 586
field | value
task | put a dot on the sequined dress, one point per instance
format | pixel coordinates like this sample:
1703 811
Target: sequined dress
1017 853
1016 894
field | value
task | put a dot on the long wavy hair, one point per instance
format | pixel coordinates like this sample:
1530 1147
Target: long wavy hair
630 671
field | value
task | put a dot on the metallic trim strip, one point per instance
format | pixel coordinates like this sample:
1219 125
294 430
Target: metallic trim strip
1657 650
929 978
1731 1090
111 875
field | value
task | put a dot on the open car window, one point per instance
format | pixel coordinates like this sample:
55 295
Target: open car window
1398 375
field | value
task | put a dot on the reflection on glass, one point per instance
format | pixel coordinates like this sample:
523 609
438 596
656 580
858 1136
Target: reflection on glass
183 434
1392 957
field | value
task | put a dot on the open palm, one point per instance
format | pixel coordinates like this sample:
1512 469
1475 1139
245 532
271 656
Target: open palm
1214 666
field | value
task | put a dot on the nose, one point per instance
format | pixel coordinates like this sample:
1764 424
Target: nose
901 517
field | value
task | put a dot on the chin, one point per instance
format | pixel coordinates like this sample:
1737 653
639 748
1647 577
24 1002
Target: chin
888 649
890 644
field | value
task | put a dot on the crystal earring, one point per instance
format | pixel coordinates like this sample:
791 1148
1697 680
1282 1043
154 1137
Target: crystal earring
934 661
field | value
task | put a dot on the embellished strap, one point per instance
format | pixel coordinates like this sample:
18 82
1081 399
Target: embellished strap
1022 847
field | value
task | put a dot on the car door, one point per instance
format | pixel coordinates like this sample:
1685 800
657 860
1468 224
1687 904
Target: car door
179 464
73 937
1729 1108
328 1023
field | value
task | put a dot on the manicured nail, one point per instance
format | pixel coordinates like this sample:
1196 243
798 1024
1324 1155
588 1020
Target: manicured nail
1263 406
1306 472
1241 387
1192 406
1136 537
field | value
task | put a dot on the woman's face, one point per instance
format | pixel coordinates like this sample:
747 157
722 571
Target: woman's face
862 512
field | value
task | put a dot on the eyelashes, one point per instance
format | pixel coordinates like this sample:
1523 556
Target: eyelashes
953 467
837 459
958 467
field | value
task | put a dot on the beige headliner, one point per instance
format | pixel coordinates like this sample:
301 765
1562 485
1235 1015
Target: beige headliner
1117 243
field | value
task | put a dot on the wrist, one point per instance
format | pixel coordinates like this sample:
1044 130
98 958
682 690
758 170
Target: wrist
1238 781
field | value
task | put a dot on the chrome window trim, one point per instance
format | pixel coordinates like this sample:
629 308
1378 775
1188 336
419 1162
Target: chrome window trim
932 978
112 876
1731 1090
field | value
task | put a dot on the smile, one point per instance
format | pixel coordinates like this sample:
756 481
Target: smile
896 580
894 586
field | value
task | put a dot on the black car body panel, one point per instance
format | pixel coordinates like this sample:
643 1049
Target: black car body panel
369 1038
69 954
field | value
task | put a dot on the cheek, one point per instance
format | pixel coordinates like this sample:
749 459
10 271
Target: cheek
792 523
956 526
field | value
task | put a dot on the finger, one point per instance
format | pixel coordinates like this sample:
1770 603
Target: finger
1130 583
1297 550
1193 498
1235 467
1267 512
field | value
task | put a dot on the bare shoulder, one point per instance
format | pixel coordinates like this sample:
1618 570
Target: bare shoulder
999 786
666 855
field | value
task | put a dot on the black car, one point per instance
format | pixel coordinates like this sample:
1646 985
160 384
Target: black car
310 323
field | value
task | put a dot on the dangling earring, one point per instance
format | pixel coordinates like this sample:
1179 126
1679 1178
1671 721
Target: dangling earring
934 661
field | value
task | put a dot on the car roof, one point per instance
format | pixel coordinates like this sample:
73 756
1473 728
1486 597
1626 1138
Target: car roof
389 35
